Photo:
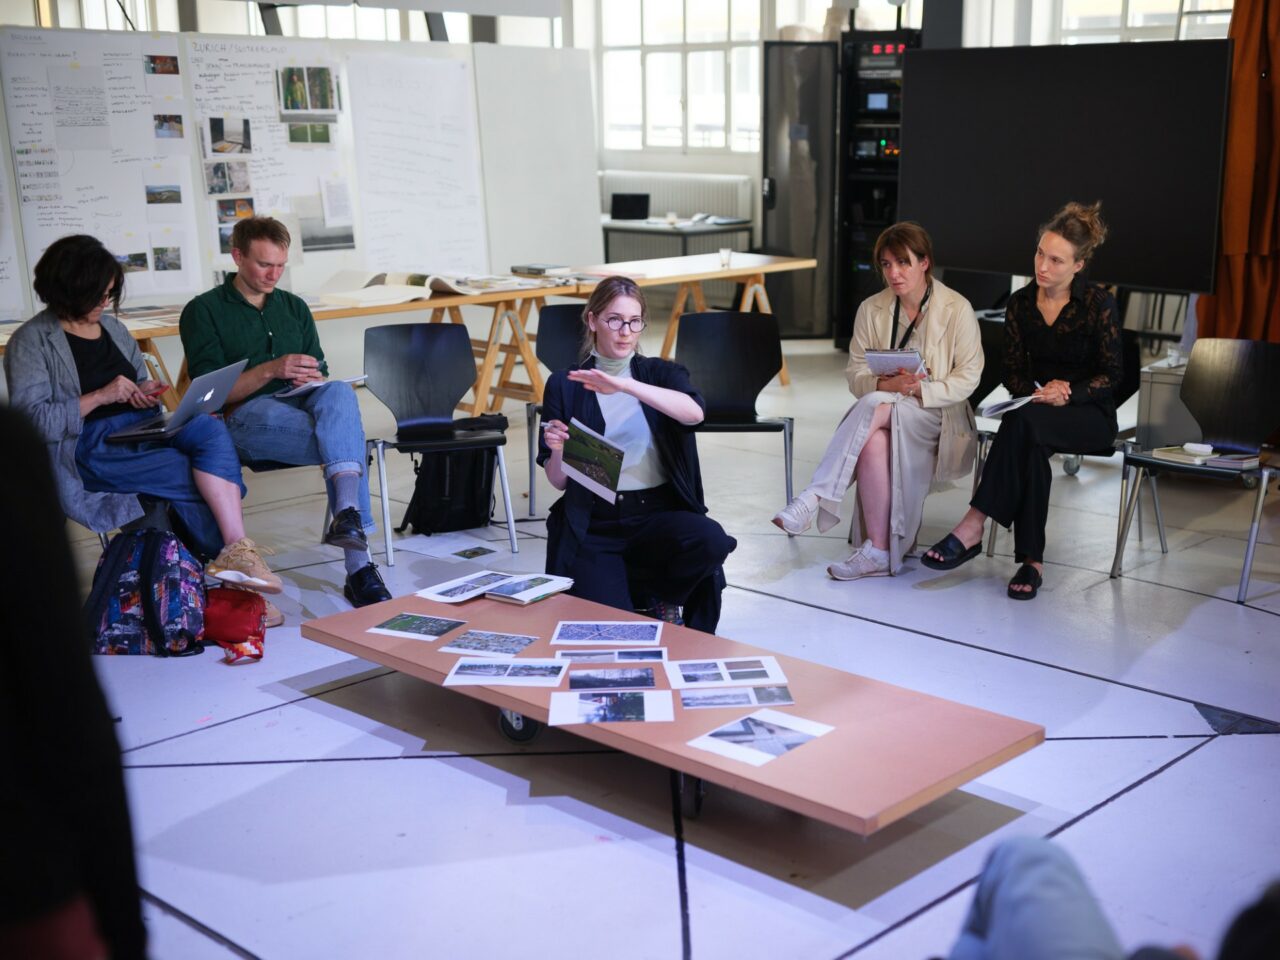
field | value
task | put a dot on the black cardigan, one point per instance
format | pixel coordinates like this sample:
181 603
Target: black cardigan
563 399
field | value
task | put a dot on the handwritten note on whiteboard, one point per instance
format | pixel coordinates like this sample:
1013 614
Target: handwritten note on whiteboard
418 164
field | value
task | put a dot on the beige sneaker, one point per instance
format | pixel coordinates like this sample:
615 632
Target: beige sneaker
860 564
797 516
241 563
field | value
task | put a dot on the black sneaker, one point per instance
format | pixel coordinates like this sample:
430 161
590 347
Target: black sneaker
346 531
365 586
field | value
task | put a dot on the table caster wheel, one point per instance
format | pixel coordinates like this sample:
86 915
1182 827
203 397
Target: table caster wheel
516 727
1250 483
1071 465
692 792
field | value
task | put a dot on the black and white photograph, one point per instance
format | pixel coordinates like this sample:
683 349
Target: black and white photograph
472 671
698 698
602 633
619 706
618 678
760 737
733 672
464 588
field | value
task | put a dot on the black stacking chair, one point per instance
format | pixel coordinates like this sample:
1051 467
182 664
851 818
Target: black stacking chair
732 357
421 371
1232 388
558 343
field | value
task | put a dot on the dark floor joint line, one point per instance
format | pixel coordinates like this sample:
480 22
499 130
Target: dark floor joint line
974 646
908 918
254 713
682 878
421 756
195 924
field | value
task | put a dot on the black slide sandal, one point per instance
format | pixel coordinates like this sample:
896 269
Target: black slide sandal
952 551
1027 576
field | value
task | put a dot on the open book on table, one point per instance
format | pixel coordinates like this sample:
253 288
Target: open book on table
351 288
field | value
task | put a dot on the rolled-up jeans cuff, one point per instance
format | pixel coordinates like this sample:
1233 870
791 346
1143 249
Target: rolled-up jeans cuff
343 466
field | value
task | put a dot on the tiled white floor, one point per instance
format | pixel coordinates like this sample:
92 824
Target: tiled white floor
317 806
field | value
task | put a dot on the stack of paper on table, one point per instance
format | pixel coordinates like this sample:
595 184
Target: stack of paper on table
352 288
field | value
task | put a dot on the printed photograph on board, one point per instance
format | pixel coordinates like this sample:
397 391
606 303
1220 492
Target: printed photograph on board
230 135
167 258
163 193
168 126
160 65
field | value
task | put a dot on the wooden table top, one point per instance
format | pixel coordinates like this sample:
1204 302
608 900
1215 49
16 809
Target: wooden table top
697 267
892 751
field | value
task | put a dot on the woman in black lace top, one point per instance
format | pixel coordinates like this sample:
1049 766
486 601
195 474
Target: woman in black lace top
1062 348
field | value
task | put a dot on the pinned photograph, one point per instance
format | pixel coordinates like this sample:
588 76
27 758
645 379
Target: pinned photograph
760 737
160 65
167 258
168 126
320 89
730 672
164 193
229 177
293 89
591 460
319 132
416 626
620 678
229 211
602 633
484 643
132 262
230 135
623 706
470 671
224 237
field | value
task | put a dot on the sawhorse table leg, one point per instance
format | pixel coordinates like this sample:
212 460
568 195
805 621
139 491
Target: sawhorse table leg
753 293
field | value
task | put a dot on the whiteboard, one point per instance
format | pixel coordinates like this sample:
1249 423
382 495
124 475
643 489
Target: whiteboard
15 304
417 150
538 148
97 127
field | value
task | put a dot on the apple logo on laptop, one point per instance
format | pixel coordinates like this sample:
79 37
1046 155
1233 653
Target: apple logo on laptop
205 398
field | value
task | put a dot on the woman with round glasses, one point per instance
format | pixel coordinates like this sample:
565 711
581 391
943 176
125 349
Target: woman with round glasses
654 548
910 428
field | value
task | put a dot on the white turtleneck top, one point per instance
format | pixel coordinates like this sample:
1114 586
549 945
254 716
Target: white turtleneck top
626 427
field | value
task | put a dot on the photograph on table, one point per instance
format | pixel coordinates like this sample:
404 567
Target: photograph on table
621 678
472 671
485 643
612 656
760 737
416 626
701 699
732 672
625 706
601 633
527 590
168 126
464 588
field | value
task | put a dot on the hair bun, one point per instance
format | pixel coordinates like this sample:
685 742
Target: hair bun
1081 225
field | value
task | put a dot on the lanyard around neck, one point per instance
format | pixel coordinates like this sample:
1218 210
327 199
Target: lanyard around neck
897 305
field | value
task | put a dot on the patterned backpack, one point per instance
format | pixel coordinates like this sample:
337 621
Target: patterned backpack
147 597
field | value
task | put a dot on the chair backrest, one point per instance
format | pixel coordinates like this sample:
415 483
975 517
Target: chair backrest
1232 388
559 335
731 357
419 370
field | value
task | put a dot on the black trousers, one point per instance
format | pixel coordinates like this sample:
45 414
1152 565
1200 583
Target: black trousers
1016 478
645 548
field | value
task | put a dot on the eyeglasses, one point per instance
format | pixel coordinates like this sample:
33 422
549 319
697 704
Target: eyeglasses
106 297
617 323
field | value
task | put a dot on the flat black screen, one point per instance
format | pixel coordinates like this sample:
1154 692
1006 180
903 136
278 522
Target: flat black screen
995 140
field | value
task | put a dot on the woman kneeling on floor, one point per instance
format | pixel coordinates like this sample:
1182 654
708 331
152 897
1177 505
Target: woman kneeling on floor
908 430
1062 348
655 548
75 371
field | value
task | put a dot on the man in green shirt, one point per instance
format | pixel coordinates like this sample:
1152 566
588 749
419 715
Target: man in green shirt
248 318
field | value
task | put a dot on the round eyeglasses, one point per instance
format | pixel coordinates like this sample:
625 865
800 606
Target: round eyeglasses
617 323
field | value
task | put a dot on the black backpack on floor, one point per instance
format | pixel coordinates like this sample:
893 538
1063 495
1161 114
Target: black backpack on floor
454 491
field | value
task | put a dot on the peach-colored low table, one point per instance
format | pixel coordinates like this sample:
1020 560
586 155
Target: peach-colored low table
892 750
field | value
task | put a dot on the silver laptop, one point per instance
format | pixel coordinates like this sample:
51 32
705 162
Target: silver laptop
206 394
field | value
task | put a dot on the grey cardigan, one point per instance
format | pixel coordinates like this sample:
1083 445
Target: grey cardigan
44 385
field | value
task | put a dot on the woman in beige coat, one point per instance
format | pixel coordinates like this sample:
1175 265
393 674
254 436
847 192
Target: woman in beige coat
907 431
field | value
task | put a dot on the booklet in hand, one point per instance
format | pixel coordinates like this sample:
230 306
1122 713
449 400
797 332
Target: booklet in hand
887 363
1000 407
592 461
312 384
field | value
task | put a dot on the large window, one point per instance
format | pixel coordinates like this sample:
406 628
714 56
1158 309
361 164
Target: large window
680 74
1111 21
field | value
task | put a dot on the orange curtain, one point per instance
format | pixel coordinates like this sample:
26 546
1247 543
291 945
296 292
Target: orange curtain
1246 304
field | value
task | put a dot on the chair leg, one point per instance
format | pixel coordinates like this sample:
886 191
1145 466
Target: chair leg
531 422
328 515
1127 510
381 448
1247 569
103 539
991 538
506 501
1155 507
787 448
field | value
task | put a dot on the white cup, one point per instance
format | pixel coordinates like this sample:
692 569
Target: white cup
726 254
671 217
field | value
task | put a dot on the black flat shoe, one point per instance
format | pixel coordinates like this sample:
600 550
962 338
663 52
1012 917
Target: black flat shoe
1027 576
346 531
365 586
952 552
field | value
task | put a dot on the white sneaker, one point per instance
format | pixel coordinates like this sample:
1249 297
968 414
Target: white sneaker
797 516
862 563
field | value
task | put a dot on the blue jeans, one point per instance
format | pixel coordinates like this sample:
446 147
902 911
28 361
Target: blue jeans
162 469
1033 904
322 427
